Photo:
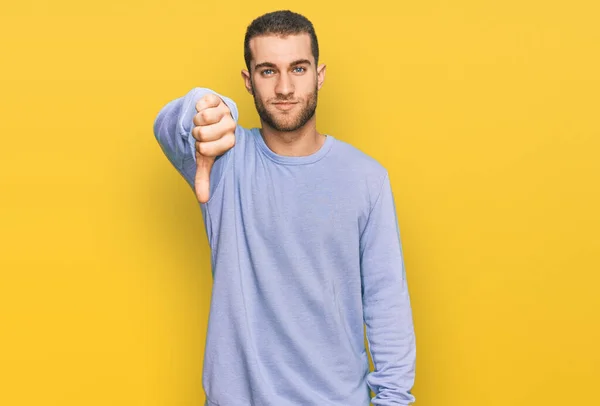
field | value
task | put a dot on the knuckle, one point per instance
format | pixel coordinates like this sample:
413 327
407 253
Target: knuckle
232 125
204 115
201 103
201 133
197 119
195 132
202 148
230 141
211 98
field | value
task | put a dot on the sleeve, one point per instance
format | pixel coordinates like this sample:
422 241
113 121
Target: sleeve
386 305
173 131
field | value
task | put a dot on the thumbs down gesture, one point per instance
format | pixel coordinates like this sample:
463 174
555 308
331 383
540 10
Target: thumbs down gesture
214 132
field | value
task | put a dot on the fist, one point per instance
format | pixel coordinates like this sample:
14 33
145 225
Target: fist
214 132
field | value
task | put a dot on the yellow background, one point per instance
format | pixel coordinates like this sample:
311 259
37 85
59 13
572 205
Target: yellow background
486 114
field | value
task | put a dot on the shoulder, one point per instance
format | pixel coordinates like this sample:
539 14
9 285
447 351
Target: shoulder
359 163
364 172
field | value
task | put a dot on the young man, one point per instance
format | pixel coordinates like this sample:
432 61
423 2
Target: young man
304 239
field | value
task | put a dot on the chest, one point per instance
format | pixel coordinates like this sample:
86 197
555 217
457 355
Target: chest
310 205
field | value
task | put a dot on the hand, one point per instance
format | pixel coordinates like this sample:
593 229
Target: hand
214 131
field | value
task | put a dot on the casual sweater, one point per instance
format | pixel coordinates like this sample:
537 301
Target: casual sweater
306 257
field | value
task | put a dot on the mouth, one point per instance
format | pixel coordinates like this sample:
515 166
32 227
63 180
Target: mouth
285 105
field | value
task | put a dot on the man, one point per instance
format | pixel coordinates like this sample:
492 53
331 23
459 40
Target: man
303 234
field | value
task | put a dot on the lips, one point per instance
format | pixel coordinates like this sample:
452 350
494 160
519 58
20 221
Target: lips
285 105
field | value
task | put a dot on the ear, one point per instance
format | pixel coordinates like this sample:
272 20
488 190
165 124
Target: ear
247 81
321 75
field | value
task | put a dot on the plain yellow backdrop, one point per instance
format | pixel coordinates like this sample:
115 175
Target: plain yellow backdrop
486 114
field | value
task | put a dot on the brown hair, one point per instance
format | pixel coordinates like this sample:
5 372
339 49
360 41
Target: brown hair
282 22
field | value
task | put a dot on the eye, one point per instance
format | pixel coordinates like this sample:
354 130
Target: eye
300 67
264 71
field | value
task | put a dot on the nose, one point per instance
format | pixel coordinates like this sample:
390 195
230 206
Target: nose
285 86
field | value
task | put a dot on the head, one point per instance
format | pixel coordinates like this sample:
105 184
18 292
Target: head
282 53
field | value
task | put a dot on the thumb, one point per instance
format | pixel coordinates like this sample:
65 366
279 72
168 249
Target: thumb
202 181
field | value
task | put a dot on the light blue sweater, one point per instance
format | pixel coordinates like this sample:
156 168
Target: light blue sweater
306 253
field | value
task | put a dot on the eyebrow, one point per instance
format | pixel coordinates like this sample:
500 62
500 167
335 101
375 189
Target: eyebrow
272 65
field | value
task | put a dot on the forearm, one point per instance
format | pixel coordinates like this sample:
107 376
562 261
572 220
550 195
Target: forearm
166 132
173 129
386 306
391 341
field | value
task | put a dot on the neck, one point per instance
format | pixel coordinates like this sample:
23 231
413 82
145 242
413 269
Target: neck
302 142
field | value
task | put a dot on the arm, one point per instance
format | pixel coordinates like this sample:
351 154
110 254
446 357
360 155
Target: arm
173 131
386 305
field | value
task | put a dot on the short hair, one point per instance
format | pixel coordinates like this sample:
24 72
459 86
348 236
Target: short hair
281 22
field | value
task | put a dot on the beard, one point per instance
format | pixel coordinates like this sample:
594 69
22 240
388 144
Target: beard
288 122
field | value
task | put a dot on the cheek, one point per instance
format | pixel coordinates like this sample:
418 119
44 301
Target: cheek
262 91
308 85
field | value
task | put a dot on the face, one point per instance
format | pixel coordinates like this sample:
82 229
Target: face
284 80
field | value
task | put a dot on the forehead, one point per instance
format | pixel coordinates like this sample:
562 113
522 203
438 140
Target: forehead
280 50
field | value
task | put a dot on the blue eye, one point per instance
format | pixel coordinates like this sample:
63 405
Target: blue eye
268 72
